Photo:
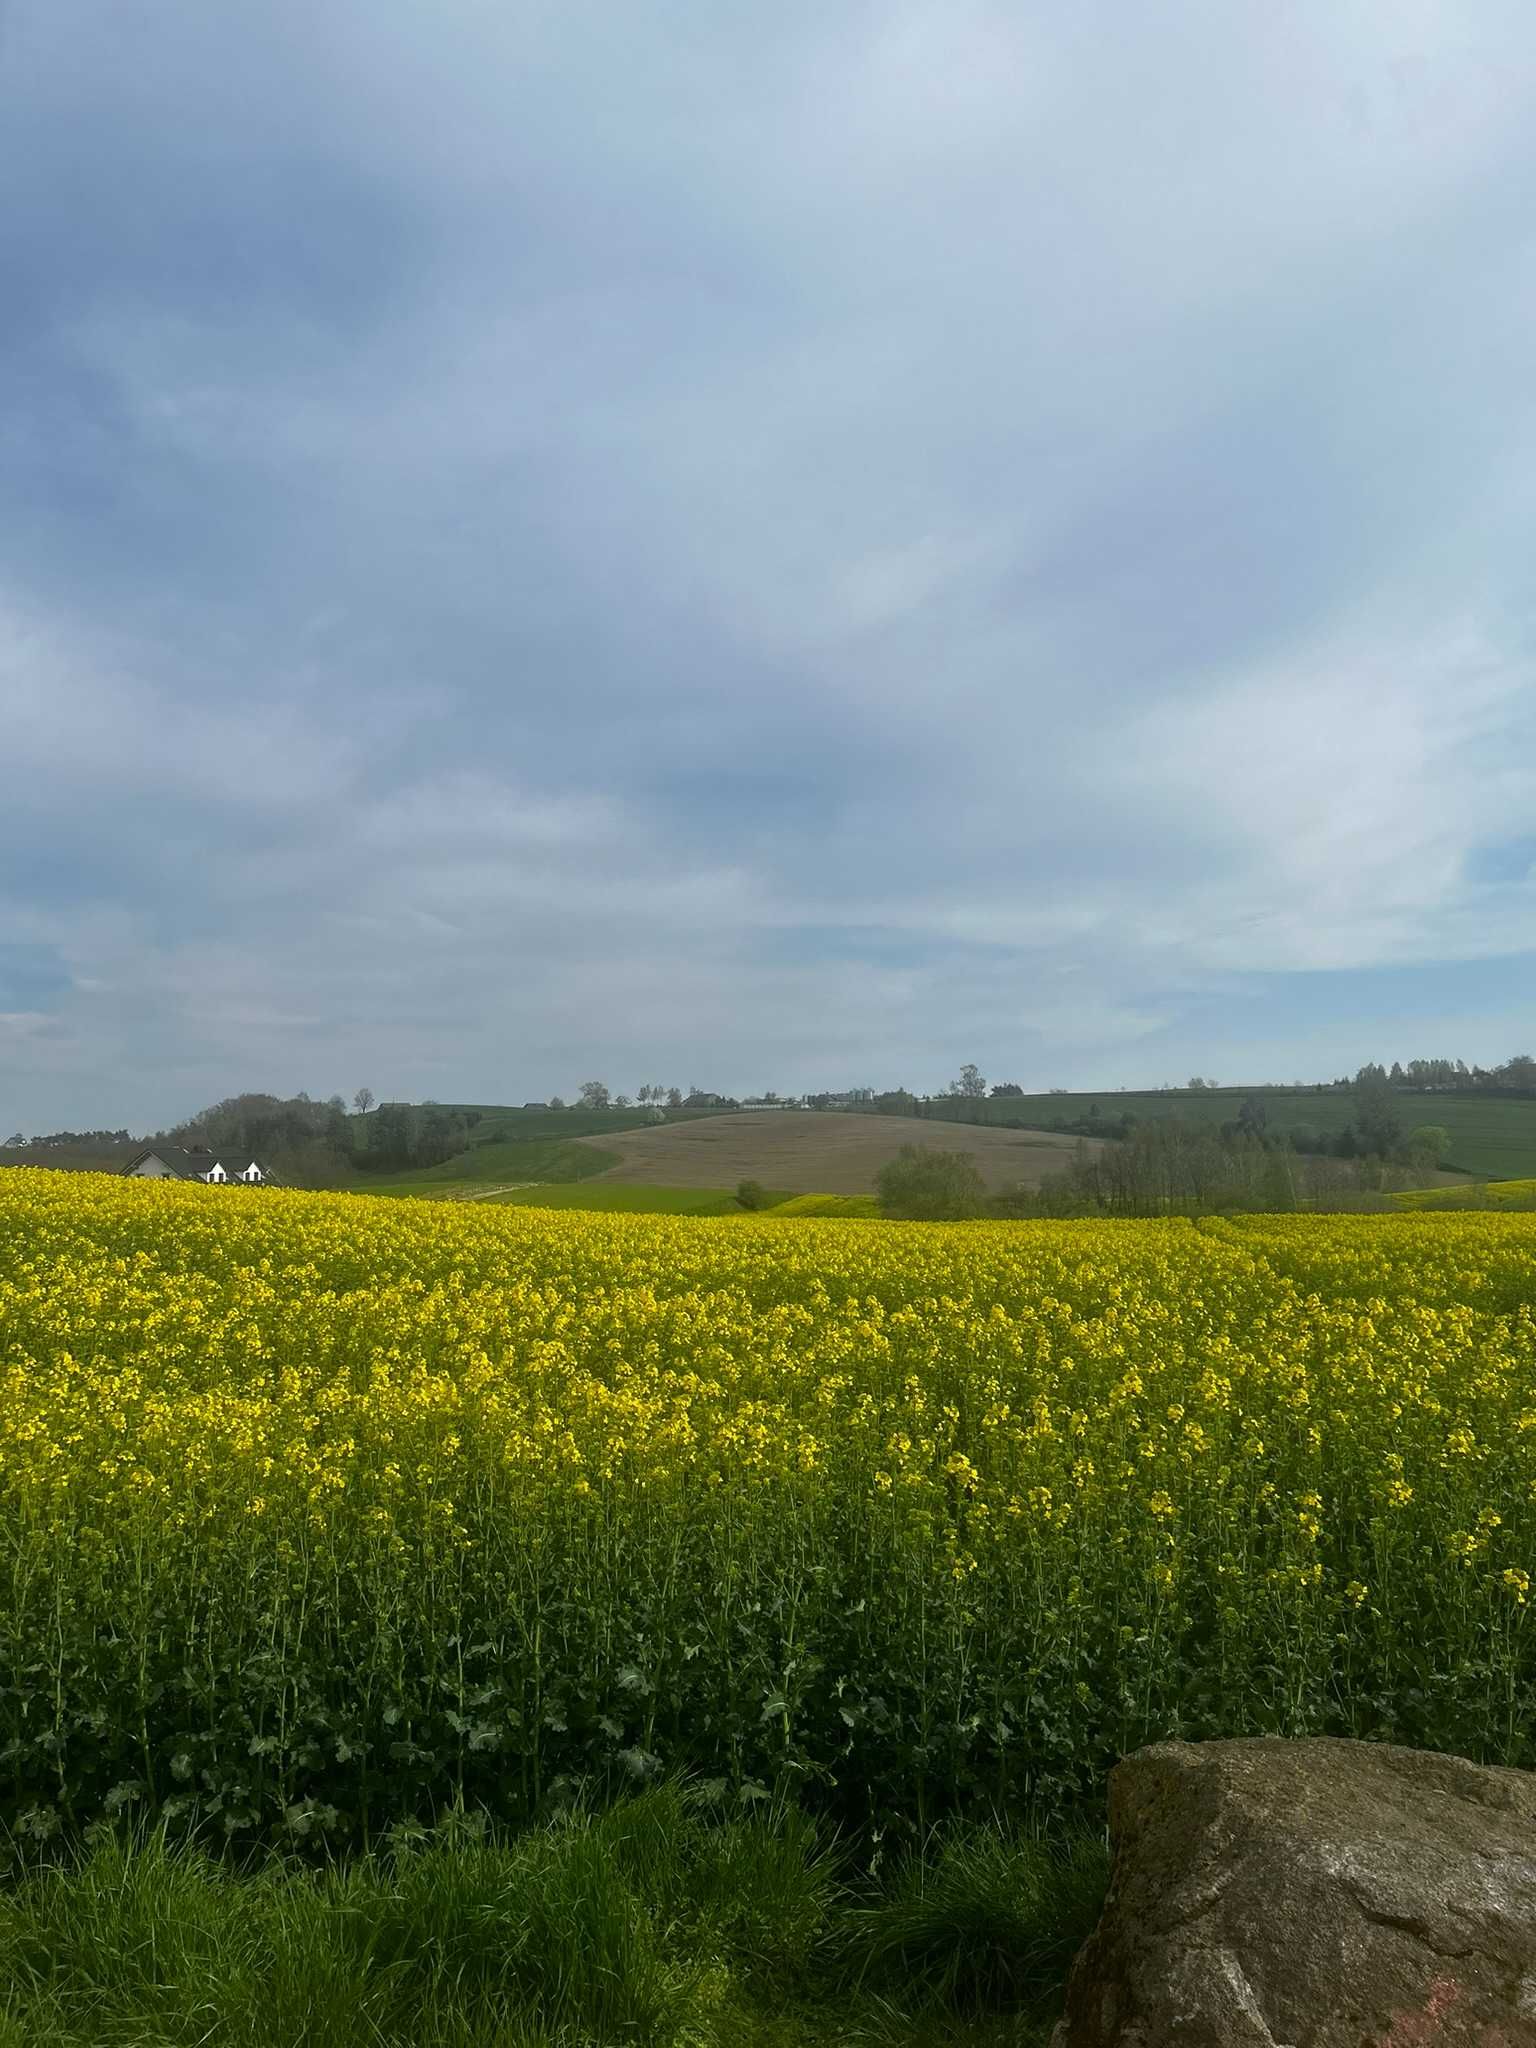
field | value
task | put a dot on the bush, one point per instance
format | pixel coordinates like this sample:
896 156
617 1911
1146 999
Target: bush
924 1185
751 1194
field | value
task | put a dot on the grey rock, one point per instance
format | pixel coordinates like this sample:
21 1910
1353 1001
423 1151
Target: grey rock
1316 1894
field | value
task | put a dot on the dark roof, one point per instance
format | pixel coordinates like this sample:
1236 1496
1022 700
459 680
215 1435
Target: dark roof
186 1162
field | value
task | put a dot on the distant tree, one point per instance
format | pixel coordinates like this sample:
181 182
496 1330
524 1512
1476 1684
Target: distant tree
1376 1118
19 1138
923 1184
643 1095
621 1101
1429 1142
1252 1117
1007 1088
556 1102
897 1102
969 1082
751 1194
674 1098
593 1095
1397 1077
363 1101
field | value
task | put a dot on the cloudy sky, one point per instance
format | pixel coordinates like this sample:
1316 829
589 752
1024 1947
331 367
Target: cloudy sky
766 545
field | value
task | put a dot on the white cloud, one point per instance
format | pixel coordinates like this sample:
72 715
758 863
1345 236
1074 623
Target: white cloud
762 543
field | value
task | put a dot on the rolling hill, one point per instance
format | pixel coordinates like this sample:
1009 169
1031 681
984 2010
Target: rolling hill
829 1151
1491 1136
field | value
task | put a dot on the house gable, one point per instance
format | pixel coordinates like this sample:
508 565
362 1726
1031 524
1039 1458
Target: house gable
181 1162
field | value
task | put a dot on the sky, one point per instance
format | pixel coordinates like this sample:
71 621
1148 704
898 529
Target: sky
761 546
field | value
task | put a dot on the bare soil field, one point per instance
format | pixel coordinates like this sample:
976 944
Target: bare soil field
822 1152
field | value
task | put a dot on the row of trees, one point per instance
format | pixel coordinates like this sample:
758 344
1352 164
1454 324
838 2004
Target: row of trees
304 1142
1164 1168
315 1144
1515 1076
62 1139
653 1094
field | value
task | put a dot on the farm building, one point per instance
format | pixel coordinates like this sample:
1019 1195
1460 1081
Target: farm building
196 1162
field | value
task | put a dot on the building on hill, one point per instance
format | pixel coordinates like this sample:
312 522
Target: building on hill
196 1162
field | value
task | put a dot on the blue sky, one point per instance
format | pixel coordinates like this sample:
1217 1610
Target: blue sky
760 546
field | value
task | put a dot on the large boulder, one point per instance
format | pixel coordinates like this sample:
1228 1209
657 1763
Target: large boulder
1314 1894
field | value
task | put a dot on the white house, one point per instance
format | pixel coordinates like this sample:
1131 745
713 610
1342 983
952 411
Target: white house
195 1162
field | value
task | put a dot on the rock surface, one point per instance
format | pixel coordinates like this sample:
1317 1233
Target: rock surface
1315 1894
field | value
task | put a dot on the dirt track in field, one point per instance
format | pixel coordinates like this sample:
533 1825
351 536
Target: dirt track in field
821 1152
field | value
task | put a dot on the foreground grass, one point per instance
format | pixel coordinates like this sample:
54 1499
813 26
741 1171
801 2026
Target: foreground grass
651 1924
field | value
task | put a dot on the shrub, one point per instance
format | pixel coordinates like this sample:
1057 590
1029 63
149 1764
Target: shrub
924 1185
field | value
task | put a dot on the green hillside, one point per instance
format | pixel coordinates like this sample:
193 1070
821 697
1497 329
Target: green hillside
508 1162
499 1120
1491 1136
1478 1194
513 1146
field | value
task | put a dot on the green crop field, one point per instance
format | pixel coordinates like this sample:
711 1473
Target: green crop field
501 1121
1477 1194
504 1162
1492 1136
633 1198
828 1205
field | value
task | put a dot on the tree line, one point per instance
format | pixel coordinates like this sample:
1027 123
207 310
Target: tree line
1165 1167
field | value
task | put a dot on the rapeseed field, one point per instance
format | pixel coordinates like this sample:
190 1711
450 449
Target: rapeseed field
321 1515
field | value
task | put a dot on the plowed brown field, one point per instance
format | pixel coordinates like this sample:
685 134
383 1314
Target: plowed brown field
824 1152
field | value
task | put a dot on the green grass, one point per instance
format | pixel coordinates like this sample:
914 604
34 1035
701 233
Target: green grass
1491 1136
1497 1194
828 1205
514 1146
658 1923
633 1198
500 1163
499 1121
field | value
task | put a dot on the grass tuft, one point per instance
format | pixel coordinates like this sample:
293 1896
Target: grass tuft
652 1924
988 1918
